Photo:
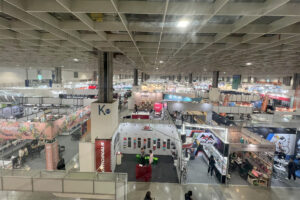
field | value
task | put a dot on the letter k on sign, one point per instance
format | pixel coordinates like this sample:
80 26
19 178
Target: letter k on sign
101 109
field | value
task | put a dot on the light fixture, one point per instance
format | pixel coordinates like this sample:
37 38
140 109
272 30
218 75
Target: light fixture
161 62
62 66
248 63
156 67
75 59
183 23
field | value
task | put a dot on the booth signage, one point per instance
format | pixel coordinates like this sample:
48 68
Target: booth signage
101 109
171 97
252 147
103 155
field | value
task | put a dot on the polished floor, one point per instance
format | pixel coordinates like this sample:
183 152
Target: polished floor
173 191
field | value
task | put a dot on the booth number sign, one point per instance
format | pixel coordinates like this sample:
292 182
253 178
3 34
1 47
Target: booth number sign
103 110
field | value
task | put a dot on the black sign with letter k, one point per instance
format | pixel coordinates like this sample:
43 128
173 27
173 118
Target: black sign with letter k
101 109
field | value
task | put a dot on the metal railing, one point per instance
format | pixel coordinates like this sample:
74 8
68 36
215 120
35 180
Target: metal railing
104 185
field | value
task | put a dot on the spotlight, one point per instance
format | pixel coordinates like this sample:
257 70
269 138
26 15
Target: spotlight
183 23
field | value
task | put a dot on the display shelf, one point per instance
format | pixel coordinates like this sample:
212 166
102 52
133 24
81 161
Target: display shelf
221 162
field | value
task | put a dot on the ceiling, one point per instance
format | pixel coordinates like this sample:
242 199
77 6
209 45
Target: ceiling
220 35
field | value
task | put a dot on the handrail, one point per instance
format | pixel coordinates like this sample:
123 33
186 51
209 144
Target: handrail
65 182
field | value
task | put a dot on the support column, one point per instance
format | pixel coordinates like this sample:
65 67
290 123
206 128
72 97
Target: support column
190 78
58 75
287 80
51 154
27 79
215 80
236 81
249 79
296 81
104 120
142 77
94 75
105 81
135 77
179 77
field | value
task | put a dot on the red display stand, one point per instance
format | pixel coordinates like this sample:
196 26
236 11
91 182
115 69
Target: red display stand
140 116
143 172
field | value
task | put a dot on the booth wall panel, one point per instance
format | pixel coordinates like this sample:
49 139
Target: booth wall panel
33 100
17 183
47 185
78 186
135 130
105 187
121 191
51 100
67 101
87 156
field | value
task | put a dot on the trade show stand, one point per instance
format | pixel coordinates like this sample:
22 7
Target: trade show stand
238 153
161 138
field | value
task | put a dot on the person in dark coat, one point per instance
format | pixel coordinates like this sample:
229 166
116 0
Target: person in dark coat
292 169
188 195
211 165
61 164
148 196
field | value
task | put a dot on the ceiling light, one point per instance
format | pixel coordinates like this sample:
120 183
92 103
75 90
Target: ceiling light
161 62
183 23
75 59
156 67
64 66
248 63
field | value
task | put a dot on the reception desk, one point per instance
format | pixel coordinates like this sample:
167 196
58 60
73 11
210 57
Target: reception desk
143 172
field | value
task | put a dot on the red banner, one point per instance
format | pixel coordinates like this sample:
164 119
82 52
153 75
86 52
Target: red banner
103 155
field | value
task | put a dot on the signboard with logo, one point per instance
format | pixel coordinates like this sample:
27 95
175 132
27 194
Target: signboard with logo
171 97
103 155
102 110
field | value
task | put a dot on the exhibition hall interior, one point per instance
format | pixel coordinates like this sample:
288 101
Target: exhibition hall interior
149 99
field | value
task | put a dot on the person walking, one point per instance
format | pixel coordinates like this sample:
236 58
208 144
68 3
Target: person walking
142 156
291 169
148 196
151 157
188 195
211 165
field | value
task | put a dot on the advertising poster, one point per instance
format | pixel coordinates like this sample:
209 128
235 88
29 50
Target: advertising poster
103 155
284 142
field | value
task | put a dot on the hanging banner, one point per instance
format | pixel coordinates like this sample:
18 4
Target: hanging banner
103 155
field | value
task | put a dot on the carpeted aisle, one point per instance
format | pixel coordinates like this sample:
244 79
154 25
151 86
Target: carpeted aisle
163 172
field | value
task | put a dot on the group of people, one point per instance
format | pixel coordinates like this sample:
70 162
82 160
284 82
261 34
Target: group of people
143 160
187 196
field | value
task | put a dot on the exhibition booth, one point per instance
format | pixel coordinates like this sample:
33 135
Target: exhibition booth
241 157
161 137
39 133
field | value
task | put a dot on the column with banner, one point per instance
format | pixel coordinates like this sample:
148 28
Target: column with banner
104 123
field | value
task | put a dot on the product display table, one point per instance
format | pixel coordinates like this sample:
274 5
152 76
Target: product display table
143 172
140 115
